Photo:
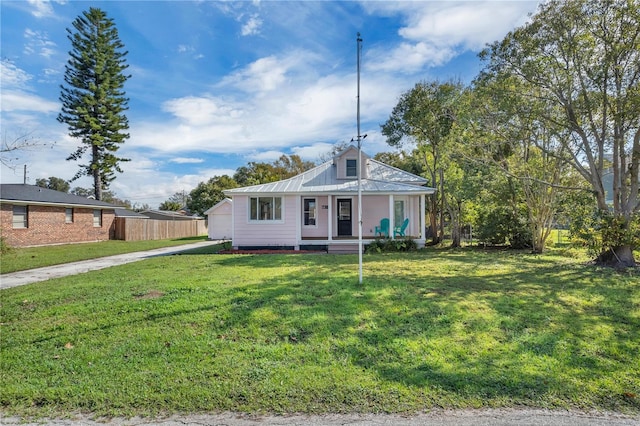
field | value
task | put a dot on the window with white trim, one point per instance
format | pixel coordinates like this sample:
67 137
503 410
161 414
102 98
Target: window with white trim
398 212
20 217
265 208
68 215
352 168
309 211
97 218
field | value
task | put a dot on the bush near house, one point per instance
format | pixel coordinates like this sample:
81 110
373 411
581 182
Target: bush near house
386 245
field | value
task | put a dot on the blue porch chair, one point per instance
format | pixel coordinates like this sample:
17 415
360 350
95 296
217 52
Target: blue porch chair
399 230
383 229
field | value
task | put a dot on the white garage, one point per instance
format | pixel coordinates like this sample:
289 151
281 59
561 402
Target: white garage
220 225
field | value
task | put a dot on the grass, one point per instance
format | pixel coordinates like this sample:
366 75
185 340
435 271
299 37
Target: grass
20 259
297 333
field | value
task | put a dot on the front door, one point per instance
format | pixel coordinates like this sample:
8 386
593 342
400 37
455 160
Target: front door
344 218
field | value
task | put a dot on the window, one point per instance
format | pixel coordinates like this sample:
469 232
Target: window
309 211
398 212
97 218
352 168
68 215
20 217
265 208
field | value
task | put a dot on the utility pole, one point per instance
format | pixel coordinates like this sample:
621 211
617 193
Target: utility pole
359 171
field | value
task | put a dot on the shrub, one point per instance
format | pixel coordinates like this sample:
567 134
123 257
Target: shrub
4 247
385 245
500 224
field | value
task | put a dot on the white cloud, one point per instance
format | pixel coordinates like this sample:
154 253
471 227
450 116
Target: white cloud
252 26
319 110
41 8
409 58
263 75
265 156
38 42
199 111
435 32
12 76
314 151
22 101
469 24
186 160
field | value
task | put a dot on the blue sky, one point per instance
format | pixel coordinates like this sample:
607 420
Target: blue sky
218 84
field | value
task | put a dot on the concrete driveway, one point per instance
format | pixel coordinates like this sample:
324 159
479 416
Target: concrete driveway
15 279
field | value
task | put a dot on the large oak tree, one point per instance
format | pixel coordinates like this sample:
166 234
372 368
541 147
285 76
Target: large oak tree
581 59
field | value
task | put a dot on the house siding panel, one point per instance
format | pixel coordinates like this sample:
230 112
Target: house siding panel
322 219
374 208
47 226
257 233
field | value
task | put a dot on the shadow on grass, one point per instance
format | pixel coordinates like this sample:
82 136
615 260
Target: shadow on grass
538 333
298 333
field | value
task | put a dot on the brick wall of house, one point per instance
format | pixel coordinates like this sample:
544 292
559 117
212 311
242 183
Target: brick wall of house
46 225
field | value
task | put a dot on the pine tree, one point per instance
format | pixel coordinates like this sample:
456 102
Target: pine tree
93 99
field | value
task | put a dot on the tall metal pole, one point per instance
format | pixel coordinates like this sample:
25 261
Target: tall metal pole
359 48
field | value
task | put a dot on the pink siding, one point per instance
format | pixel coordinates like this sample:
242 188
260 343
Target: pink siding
321 228
374 208
282 233
288 231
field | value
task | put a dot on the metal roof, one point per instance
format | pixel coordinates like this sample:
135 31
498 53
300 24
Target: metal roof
31 194
381 179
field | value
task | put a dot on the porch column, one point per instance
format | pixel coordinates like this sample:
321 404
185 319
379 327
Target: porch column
391 216
330 217
423 217
298 222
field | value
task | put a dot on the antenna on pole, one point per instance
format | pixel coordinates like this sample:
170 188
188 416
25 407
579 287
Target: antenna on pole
359 170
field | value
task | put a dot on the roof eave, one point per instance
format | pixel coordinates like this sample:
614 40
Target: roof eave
54 204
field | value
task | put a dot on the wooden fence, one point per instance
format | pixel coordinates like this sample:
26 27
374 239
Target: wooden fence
135 229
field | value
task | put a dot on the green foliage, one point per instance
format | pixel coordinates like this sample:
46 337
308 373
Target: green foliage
256 173
4 247
575 67
388 245
169 205
498 225
55 183
425 116
600 231
107 196
436 329
93 98
176 202
208 194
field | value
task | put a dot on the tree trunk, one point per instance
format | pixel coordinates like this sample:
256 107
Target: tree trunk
97 181
617 257
455 213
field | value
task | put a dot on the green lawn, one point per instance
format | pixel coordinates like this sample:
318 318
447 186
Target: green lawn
20 259
297 333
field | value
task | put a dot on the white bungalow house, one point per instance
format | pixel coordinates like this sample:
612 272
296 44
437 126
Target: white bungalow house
318 209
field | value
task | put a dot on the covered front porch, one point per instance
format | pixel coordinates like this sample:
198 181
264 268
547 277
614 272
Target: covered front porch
332 220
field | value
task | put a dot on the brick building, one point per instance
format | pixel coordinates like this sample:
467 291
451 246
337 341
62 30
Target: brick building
32 216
